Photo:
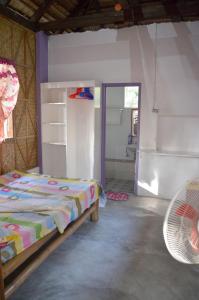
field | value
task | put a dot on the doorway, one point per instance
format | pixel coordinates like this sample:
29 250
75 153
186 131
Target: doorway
120 136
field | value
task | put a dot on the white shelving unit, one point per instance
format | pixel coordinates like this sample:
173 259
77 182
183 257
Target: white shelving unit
70 130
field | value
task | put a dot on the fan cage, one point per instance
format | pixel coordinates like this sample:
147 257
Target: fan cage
177 230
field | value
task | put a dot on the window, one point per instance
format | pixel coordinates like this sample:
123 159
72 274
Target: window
134 122
8 128
131 101
131 97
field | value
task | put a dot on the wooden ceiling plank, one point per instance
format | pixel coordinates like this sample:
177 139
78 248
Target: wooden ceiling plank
58 10
97 6
135 11
41 10
88 13
7 2
30 5
93 5
83 21
48 15
18 18
137 14
88 5
64 5
80 8
172 10
189 9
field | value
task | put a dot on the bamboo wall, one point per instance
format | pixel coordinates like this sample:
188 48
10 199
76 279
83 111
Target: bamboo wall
18 44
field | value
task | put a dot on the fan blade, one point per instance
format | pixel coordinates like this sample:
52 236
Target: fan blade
186 210
195 238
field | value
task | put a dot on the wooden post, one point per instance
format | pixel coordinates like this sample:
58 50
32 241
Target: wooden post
2 294
94 217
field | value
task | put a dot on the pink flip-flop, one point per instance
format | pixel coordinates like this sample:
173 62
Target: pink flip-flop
117 196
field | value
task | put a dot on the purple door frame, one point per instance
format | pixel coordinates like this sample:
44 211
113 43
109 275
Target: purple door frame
41 76
103 130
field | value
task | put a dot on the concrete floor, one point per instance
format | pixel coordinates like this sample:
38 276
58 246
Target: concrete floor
119 185
122 257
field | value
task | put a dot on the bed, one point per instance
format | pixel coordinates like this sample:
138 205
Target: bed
37 213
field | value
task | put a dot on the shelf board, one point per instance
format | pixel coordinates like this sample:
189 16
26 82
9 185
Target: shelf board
55 143
71 84
54 103
54 123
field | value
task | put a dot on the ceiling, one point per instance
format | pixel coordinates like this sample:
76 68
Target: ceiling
58 16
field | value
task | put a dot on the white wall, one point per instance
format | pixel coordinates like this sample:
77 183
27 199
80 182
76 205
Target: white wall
128 55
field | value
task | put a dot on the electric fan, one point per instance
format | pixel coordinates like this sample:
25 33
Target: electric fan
181 224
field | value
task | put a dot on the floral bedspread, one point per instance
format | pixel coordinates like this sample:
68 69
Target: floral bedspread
31 206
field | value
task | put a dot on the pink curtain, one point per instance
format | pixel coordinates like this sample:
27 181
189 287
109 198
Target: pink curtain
9 89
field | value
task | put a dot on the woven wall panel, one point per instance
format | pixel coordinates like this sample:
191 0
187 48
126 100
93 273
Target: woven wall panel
30 50
31 119
32 152
18 44
5 38
21 153
30 85
21 75
8 156
20 120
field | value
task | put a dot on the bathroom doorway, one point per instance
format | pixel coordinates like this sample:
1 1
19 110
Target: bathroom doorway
120 136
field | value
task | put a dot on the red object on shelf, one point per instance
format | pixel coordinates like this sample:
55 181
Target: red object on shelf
76 94
82 93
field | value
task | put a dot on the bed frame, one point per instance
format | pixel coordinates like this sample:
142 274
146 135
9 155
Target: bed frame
15 271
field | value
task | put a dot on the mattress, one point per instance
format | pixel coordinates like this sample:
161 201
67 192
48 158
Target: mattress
19 229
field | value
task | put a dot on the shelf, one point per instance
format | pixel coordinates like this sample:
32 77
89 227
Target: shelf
54 123
54 103
55 143
71 84
62 131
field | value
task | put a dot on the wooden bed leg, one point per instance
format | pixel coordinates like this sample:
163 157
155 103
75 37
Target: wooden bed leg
2 294
94 217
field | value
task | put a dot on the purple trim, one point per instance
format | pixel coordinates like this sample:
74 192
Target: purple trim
103 134
103 130
41 76
137 162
